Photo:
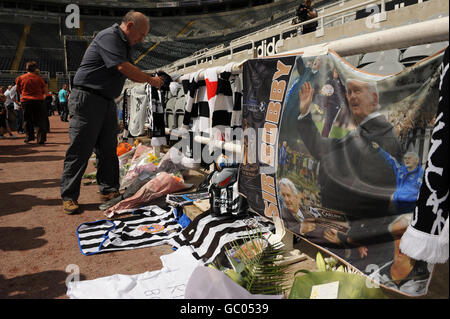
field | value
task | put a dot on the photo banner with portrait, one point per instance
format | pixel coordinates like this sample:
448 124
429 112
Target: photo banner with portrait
340 157
264 90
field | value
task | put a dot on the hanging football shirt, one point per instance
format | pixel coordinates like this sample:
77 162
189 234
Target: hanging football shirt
138 110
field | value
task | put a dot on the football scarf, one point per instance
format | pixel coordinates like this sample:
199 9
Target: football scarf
148 226
236 116
156 115
427 237
196 114
125 111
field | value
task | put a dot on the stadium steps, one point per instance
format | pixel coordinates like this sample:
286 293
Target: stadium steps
20 48
52 84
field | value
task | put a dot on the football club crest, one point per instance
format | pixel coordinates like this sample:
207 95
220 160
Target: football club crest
152 228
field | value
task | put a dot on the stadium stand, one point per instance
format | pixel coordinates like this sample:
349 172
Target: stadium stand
8 77
51 60
75 49
10 33
63 78
7 53
346 24
44 35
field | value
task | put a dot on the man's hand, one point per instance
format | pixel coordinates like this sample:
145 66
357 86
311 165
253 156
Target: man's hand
134 74
306 94
156 81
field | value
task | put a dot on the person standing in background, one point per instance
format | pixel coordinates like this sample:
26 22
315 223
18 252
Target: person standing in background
17 109
10 114
33 89
306 12
63 102
3 111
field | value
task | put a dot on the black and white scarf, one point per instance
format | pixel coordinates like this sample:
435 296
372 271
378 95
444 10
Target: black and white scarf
427 237
155 115
125 110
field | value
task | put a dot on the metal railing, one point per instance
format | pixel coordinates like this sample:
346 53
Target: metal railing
252 38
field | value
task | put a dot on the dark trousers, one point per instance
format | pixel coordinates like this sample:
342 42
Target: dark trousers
64 111
11 117
19 120
58 107
35 115
93 127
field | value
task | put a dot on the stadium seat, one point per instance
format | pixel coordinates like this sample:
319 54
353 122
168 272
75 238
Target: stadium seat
10 33
354 59
384 67
416 53
44 35
382 62
170 110
6 56
179 108
379 56
75 51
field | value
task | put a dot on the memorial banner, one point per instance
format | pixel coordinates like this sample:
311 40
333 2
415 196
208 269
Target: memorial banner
264 89
339 155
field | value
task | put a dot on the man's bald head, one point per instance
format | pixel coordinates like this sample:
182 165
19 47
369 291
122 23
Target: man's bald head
135 26
135 17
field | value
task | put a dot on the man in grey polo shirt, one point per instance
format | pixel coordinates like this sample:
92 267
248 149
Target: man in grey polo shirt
93 119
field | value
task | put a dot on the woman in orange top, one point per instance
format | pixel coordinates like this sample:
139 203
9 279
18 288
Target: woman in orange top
33 90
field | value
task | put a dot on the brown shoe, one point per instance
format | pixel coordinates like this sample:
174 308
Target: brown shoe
107 197
70 206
